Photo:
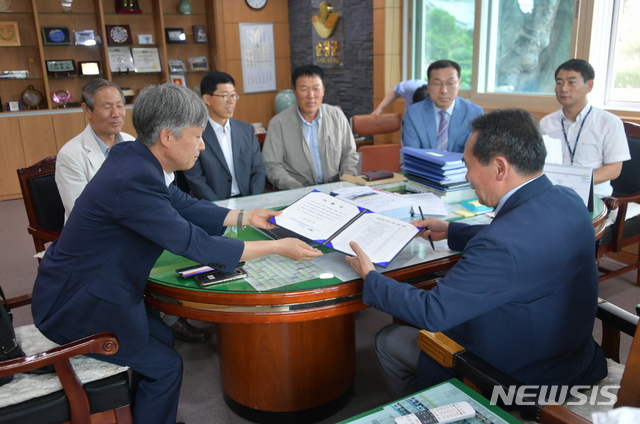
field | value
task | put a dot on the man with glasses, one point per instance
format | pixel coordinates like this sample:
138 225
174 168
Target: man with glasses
310 142
231 164
441 121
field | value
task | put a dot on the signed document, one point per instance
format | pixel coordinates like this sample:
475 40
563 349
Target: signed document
334 223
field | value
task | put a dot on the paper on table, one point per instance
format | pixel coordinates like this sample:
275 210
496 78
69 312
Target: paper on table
373 199
430 203
380 237
318 217
554 149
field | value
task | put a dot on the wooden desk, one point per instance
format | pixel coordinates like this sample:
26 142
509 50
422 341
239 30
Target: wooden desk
286 355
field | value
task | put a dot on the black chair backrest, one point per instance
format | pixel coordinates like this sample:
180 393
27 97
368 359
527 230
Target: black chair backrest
47 202
628 182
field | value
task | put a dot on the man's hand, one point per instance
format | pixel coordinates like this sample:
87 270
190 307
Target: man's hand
297 250
361 263
438 229
259 218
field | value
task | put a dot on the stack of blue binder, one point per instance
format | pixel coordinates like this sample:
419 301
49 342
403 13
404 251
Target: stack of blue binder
444 171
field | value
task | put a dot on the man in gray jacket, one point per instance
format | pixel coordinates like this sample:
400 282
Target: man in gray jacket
310 142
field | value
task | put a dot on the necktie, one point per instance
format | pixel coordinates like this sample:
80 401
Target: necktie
443 131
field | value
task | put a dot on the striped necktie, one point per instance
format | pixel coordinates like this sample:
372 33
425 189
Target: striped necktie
443 131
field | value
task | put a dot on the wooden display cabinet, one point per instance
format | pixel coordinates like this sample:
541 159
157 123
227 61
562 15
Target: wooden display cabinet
32 54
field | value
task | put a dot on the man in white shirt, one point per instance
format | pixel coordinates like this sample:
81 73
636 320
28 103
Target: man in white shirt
231 163
81 157
412 91
590 136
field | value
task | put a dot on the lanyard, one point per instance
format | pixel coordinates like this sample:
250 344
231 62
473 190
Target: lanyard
566 140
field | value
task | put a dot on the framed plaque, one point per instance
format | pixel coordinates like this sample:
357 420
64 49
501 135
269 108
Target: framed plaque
61 67
127 6
85 38
200 34
175 35
145 38
120 59
118 34
9 34
178 79
56 36
176 65
146 59
89 68
199 63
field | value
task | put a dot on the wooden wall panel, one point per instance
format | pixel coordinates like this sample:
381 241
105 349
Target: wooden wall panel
128 123
38 137
12 158
66 126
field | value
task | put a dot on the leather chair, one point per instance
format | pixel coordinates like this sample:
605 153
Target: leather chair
385 123
483 377
380 157
45 210
105 399
626 190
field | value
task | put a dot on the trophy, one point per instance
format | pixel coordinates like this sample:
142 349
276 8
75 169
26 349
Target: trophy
61 97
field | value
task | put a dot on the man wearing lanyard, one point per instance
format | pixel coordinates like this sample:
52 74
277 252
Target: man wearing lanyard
309 142
590 136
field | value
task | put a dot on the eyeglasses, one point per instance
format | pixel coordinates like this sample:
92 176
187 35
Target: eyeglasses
226 97
439 84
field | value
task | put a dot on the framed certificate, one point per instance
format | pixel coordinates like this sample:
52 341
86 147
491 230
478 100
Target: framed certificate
89 68
176 65
145 38
56 36
60 67
10 35
146 59
199 63
120 59
175 35
118 34
200 34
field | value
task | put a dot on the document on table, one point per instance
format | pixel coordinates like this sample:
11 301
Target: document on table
333 222
430 203
375 200
554 149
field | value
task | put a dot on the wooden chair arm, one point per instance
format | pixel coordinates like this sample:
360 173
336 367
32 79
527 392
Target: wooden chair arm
615 202
103 343
558 414
16 302
43 233
439 347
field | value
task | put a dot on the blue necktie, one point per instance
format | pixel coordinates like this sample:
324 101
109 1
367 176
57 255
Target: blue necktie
443 131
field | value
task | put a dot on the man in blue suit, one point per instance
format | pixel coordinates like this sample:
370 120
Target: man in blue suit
231 163
441 121
92 279
523 294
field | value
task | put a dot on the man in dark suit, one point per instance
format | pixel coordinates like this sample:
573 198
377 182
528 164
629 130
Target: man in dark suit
93 277
441 121
231 164
523 294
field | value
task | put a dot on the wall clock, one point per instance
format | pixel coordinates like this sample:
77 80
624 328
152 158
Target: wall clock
256 4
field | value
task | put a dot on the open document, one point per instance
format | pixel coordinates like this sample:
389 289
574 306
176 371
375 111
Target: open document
334 223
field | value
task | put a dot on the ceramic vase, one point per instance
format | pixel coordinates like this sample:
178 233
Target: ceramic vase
283 100
184 7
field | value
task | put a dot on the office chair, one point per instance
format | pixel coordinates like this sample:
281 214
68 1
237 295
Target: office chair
42 201
385 123
380 157
626 190
92 391
483 377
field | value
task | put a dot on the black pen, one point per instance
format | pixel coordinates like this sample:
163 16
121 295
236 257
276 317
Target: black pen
426 228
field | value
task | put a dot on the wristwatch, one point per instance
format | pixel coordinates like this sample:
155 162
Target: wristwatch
240 218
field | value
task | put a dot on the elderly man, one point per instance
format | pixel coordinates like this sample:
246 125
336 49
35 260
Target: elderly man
93 277
231 164
79 160
523 294
590 136
441 121
81 157
310 142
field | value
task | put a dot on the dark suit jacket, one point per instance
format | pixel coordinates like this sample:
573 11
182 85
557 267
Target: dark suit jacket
210 178
93 277
420 129
522 296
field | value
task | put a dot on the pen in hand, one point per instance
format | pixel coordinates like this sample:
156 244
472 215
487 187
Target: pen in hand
426 228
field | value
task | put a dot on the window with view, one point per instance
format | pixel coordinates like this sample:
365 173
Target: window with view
624 60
